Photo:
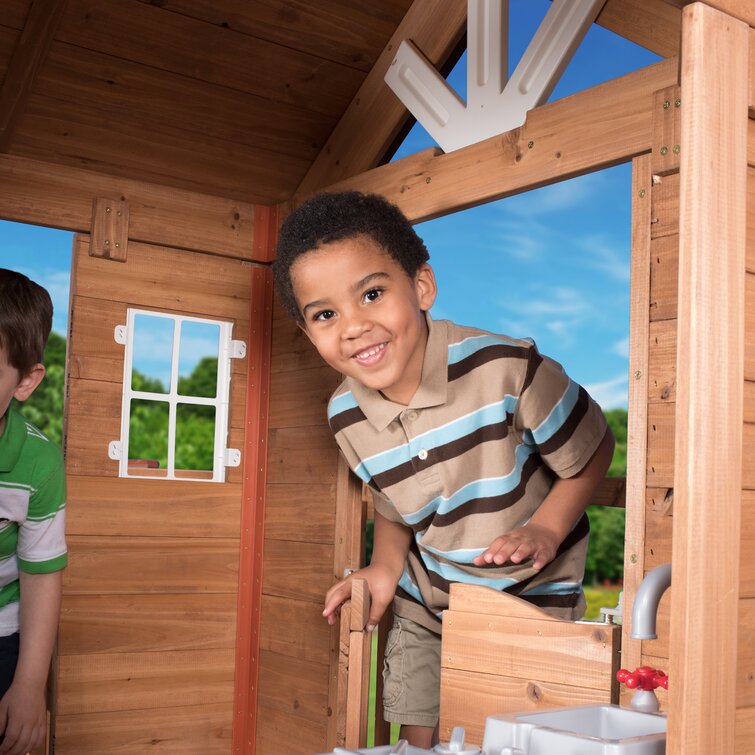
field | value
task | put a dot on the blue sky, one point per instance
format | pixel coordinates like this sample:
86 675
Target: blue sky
552 264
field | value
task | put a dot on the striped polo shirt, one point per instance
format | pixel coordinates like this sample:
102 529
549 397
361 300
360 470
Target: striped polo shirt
32 511
473 455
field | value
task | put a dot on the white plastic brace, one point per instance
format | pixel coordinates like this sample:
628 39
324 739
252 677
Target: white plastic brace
115 450
237 350
120 334
232 457
494 105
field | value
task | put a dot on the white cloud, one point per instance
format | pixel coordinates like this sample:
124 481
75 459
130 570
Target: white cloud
602 254
621 348
610 394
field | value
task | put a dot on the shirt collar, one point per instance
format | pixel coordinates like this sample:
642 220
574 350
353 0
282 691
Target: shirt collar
433 387
12 440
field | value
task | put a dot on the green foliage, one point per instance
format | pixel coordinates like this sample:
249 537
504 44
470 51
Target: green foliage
597 598
617 421
44 408
202 381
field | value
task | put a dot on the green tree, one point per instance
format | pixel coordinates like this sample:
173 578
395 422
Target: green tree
44 408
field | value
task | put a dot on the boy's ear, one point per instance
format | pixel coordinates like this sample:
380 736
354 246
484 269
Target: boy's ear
424 282
29 382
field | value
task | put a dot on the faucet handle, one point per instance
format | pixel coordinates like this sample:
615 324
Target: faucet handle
644 678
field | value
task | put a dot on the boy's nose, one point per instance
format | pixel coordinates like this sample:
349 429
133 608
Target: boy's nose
354 325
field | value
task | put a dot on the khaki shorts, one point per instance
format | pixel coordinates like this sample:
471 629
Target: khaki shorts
411 675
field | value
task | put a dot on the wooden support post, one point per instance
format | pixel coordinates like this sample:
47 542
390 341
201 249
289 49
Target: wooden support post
710 359
360 642
109 229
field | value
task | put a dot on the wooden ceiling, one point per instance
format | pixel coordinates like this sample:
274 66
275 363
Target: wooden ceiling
235 98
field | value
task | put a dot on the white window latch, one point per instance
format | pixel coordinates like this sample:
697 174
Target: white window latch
237 350
232 457
120 334
115 450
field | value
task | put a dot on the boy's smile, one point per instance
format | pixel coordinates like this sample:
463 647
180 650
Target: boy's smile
365 314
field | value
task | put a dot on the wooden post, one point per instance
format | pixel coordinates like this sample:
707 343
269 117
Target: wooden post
710 358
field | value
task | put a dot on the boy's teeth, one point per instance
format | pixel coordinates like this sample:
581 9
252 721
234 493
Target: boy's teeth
370 352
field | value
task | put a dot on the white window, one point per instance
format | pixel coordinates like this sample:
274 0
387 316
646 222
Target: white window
176 387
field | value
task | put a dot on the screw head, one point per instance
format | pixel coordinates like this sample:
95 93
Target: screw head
677 149
107 209
664 150
677 102
530 145
633 558
428 179
666 104
641 193
637 374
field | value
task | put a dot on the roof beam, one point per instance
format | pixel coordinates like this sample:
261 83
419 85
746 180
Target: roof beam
653 24
375 116
31 51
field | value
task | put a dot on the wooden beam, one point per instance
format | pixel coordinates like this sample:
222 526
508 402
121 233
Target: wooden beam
597 128
375 115
710 366
653 24
744 10
30 53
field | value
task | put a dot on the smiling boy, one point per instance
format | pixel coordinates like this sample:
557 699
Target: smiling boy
481 453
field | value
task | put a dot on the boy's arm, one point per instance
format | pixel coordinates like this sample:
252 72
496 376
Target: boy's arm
389 551
567 500
23 707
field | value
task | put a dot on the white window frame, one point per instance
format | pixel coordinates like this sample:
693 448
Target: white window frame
227 349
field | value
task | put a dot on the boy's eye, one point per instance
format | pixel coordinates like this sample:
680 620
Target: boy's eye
325 314
373 294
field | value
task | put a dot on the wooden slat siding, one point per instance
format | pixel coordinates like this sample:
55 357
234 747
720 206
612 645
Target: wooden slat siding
15 13
44 194
297 457
748 456
104 623
467 695
660 453
744 730
301 397
593 129
709 381
8 41
199 729
306 577
662 361
664 274
29 55
375 115
665 210
299 512
750 252
750 325
751 76
745 666
294 628
749 396
287 734
361 32
132 681
102 565
167 155
637 420
746 565
654 24
666 124
131 93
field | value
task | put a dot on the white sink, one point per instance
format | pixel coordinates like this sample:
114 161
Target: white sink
582 730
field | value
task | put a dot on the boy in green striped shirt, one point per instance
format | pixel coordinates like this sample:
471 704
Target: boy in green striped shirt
32 520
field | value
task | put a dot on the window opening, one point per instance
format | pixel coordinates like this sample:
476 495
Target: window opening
175 400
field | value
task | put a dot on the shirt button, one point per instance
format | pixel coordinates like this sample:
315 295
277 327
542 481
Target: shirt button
411 416
422 454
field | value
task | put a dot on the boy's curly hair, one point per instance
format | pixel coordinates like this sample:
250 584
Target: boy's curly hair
332 217
25 320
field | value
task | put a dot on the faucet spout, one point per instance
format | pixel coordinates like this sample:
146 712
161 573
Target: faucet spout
645 609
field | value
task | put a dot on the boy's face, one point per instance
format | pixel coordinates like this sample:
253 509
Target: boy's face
364 314
13 385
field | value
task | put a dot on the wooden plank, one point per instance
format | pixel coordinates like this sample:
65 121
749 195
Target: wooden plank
29 56
751 76
359 682
196 729
216 288
15 12
745 668
660 445
744 730
294 628
106 623
109 237
300 399
741 9
612 492
662 361
478 599
61 196
169 155
710 360
101 565
300 512
282 733
118 507
748 456
132 681
750 252
665 206
306 577
339 687
666 135
664 275
510 646
746 565
637 431
749 401
360 605
658 530
589 130
306 698
373 119
652 24
469 697
298 457
292 350
750 326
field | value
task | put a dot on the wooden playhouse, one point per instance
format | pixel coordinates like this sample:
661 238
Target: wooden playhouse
172 136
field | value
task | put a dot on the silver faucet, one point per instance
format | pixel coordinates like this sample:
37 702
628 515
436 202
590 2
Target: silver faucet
645 609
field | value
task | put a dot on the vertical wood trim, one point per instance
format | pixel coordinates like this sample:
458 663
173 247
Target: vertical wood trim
265 232
637 436
253 512
710 378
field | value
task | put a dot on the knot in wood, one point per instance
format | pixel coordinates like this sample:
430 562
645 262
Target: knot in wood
534 692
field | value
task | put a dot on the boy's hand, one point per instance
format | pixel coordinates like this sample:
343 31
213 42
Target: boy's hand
531 541
23 716
381 582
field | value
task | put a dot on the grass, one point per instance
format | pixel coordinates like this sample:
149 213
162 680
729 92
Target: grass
597 598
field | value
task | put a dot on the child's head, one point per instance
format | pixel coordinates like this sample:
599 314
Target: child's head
326 218
25 320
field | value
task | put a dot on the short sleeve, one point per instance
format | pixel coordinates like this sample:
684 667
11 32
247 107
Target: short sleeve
41 537
557 416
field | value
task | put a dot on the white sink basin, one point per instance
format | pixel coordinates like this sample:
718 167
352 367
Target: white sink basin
583 730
